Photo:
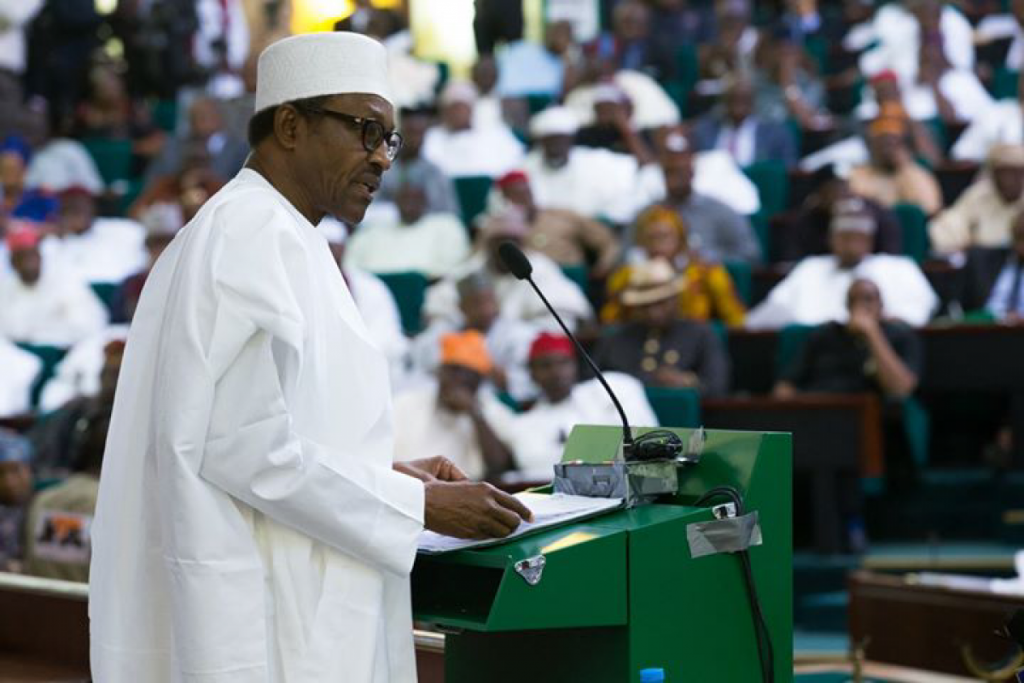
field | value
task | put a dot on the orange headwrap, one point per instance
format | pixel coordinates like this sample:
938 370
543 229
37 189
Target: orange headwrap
656 214
468 349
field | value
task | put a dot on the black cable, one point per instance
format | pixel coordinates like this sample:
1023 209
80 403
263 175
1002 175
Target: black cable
765 651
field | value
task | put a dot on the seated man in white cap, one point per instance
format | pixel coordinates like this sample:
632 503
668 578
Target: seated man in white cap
815 290
251 524
516 298
983 216
460 147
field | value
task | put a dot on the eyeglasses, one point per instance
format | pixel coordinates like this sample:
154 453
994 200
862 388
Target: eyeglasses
373 132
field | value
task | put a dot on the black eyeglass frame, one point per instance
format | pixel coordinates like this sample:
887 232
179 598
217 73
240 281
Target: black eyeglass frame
391 140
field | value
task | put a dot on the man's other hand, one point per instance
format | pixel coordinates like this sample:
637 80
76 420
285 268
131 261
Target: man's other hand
465 509
429 469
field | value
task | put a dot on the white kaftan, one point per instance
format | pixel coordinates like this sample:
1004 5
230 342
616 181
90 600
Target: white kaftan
250 526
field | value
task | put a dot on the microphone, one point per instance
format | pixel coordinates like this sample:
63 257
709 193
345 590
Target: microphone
517 263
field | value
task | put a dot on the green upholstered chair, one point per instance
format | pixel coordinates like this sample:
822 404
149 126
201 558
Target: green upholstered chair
742 279
675 407
51 356
409 290
1004 84
107 293
472 194
577 274
772 181
791 341
914 224
114 158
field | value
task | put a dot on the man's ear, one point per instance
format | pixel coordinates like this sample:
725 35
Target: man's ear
287 124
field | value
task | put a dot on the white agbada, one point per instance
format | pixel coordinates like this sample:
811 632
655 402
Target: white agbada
814 292
20 371
110 251
250 526
58 310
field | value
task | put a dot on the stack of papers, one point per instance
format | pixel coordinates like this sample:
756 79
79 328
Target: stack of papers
548 511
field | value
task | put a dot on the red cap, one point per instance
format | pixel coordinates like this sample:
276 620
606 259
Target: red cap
547 343
22 235
510 178
885 75
76 191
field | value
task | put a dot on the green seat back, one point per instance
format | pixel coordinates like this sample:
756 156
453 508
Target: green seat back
472 193
917 426
914 224
1004 84
538 102
675 407
409 290
114 158
577 274
791 342
107 293
165 115
772 181
742 279
51 356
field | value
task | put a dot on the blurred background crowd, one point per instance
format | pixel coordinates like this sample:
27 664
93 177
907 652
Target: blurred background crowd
753 214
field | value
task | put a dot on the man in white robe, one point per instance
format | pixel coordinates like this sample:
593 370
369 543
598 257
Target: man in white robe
251 525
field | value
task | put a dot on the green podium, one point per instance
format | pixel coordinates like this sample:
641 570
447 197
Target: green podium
599 600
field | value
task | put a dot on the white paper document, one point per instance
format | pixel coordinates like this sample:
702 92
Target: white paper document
548 511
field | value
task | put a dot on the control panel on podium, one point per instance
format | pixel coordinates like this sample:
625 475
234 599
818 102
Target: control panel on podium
685 566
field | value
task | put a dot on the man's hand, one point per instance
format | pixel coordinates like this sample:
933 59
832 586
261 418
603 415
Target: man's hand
465 509
668 376
430 469
862 322
459 400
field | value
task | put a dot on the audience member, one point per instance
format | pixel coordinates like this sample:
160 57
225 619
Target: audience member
707 291
612 127
541 432
1003 122
44 306
814 292
630 45
410 166
80 372
428 243
452 415
108 112
595 183
786 87
731 47
564 236
716 232
227 151
508 339
983 216
1006 302
92 248
182 194
540 69
898 30
59 518
892 176
487 111
805 232
744 135
60 161
17 199
162 222
460 148
659 347
15 490
21 369
516 298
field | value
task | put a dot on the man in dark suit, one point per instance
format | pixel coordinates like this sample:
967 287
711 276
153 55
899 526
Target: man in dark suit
1006 296
734 128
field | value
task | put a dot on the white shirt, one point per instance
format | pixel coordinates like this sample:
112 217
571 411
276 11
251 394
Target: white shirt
739 142
1000 123
433 245
962 90
508 342
491 151
78 374
221 21
815 290
515 297
63 163
59 310
17 14
540 433
715 174
250 526
110 251
20 369
898 35
652 107
423 429
383 321
596 183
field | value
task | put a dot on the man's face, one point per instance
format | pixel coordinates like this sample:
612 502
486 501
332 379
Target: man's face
678 169
28 264
519 193
12 170
659 314
457 116
412 203
1009 182
334 167
607 114
661 239
414 127
886 150
850 246
76 214
555 373
630 21
556 149
485 74
864 296
887 90
739 103
455 382
479 310
558 37
15 483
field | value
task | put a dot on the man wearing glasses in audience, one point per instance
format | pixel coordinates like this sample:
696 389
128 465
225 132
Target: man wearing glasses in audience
251 524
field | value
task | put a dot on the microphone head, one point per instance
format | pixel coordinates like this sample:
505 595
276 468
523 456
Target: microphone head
515 260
